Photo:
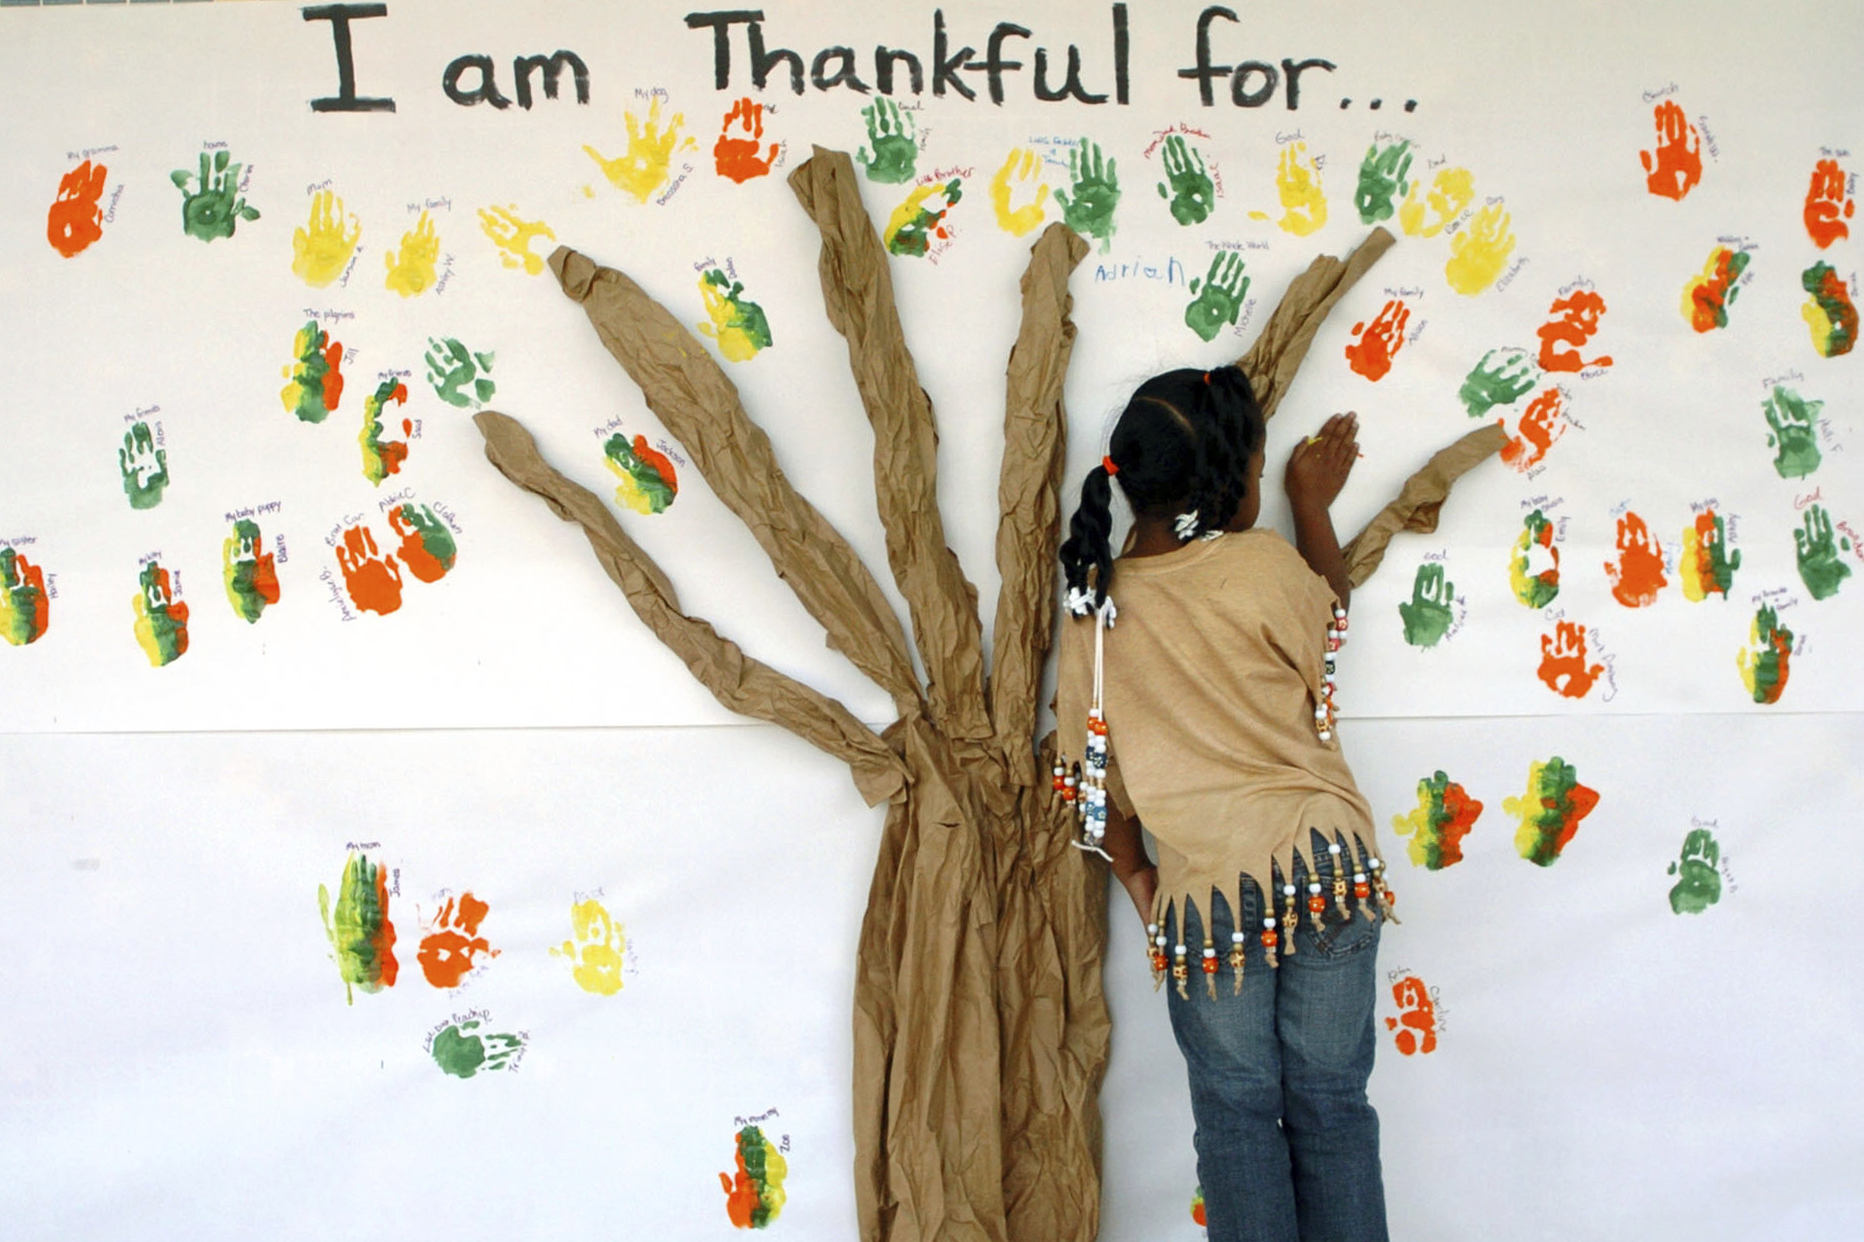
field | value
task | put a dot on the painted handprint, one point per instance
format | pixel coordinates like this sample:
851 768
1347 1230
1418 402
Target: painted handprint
740 155
648 481
1539 427
324 246
754 1197
144 467
1709 294
1765 663
1549 811
25 608
1427 617
1563 666
76 217
161 619
1479 253
890 133
1828 205
462 1049
1192 195
1534 570
1829 311
362 936
916 221
597 949
1698 882
734 321
316 378
248 571
459 376
513 236
1297 184
452 947
1383 176
1503 377
1416 1024
1451 190
646 165
1376 344
1637 575
427 545
1794 435
1816 547
411 269
1088 206
214 208
371 579
1443 817
381 458
1021 166
1220 299
1675 166
1708 565
1575 321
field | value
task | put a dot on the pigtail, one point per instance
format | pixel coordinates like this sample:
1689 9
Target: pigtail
1087 556
1232 430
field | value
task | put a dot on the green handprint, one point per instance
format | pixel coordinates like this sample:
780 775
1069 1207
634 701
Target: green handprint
1221 299
144 467
1089 211
1795 439
1191 190
451 366
1817 552
461 1052
1427 616
1501 378
1698 885
1382 180
895 148
214 209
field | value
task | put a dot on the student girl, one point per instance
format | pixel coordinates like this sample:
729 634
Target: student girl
1195 699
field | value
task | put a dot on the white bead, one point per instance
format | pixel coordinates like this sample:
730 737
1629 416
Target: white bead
1269 923
1152 929
1209 952
1334 848
1237 937
1160 942
1326 735
1288 890
1314 887
1178 949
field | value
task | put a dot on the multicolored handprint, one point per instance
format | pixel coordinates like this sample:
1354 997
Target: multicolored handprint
919 219
380 457
161 617
316 378
648 481
1708 564
754 1196
1766 662
1829 311
1549 811
361 934
25 607
248 571
427 545
1443 817
1534 569
1709 294
733 320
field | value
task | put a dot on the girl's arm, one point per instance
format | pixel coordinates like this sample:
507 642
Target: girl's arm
1131 867
1316 473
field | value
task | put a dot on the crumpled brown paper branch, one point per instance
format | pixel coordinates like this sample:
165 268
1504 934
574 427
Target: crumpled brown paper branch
1275 356
741 683
1035 441
1420 500
690 394
858 289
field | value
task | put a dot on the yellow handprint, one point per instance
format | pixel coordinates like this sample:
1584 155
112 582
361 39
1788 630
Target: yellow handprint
322 249
1451 190
1480 252
644 168
513 236
597 953
411 270
1297 181
1023 165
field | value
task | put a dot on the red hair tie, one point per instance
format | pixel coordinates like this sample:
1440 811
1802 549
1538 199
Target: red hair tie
1207 377
1107 464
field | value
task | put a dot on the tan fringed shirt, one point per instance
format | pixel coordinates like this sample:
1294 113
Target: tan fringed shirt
1212 672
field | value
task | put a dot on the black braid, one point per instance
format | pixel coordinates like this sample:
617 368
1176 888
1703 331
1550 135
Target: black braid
1089 532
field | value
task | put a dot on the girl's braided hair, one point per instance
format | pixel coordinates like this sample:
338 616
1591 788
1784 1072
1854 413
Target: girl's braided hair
1182 446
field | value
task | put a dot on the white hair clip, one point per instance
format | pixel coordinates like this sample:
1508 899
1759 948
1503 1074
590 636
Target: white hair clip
1080 601
1185 527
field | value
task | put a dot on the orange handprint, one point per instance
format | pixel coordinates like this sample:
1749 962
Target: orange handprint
1578 321
372 579
447 954
1638 574
737 157
1539 427
1417 1015
1378 343
1672 170
1563 661
75 219
1828 206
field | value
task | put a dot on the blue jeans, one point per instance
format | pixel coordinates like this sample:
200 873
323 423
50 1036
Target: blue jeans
1287 1143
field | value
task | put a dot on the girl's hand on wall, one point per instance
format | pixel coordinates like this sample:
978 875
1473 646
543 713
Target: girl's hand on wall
1318 469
